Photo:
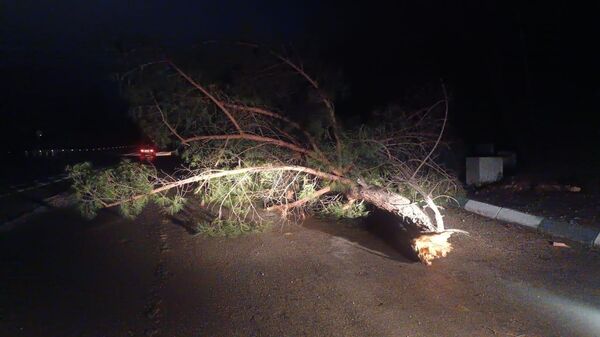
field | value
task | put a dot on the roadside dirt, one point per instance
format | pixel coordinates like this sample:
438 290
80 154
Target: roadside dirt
580 208
63 276
534 190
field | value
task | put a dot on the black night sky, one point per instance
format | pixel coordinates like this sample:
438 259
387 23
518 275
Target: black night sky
522 75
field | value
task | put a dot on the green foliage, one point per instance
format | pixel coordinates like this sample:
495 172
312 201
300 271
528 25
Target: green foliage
308 188
128 182
84 188
172 204
338 187
341 210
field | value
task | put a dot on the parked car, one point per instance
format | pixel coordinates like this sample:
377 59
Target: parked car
147 152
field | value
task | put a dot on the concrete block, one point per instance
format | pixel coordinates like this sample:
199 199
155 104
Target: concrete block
484 149
509 159
483 170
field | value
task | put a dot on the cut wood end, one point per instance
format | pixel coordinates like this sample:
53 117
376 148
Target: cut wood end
432 246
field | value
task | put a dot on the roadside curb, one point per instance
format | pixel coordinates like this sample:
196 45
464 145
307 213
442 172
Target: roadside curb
574 232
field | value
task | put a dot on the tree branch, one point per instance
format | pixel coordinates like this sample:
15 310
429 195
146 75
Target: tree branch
265 112
255 138
328 104
439 138
217 102
219 174
302 201
164 119
242 135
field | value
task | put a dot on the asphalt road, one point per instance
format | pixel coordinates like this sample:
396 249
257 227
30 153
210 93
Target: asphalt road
62 275
18 170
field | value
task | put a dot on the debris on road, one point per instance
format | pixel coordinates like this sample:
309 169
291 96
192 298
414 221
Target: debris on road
559 244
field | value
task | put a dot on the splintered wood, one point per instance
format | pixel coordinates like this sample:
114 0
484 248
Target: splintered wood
432 246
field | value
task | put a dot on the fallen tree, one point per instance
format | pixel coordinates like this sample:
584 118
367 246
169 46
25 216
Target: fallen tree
243 157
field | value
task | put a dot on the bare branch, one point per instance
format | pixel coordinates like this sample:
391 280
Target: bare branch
256 138
265 112
164 119
217 102
328 104
439 136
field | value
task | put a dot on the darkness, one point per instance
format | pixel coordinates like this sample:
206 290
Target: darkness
521 75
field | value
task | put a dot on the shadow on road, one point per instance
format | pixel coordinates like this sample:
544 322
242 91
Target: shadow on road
378 234
385 226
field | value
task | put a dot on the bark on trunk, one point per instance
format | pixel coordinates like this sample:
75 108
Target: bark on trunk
410 212
431 242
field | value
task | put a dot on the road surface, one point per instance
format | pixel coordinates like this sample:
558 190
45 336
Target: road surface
62 275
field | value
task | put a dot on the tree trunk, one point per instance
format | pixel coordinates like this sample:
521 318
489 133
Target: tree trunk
410 212
430 243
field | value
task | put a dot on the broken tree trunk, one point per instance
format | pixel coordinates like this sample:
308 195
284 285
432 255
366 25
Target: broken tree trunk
397 204
432 240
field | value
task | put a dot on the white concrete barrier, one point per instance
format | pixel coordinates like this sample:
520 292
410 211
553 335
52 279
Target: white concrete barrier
483 170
